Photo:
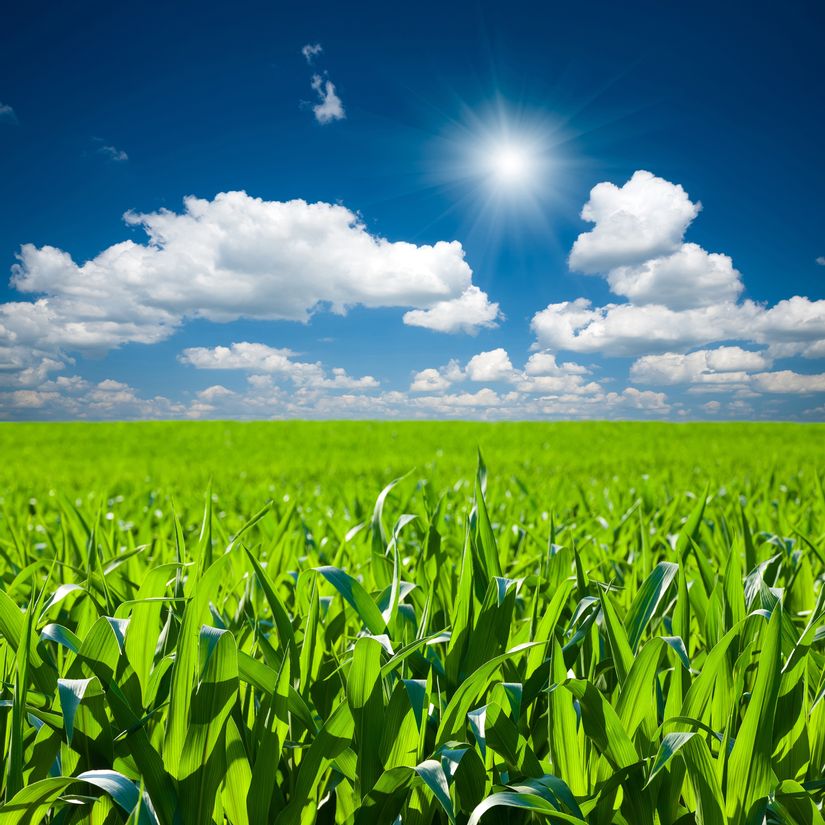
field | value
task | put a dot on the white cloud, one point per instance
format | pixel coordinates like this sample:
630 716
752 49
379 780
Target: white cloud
688 278
310 51
75 398
429 380
492 366
231 257
640 400
821 260
724 369
329 107
544 363
679 296
466 313
627 329
215 392
7 114
645 218
261 358
437 380
541 375
787 381
716 366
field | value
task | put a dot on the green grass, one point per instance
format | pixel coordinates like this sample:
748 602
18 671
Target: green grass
611 623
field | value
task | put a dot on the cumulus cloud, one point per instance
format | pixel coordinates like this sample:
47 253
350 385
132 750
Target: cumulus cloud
74 397
494 365
628 329
679 296
329 107
7 114
788 381
724 369
715 366
467 313
541 375
261 358
645 218
679 300
223 259
688 278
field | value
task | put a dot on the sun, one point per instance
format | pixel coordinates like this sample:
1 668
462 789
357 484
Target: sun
510 164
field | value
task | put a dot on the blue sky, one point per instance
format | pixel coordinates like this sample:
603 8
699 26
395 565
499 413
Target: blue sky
482 210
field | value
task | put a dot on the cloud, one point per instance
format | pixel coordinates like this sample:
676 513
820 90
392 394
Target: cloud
724 369
821 260
228 258
688 278
329 107
715 366
679 297
645 218
541 375
490 366
113 153
7 114
436 380
467 313
74 397
310 51
264 359
787 381
798 324
544 364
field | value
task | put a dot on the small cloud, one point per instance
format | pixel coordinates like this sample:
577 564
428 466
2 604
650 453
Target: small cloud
113 153
821 260
7 114
329 107
311 51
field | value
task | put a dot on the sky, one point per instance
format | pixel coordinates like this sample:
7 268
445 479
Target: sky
466 210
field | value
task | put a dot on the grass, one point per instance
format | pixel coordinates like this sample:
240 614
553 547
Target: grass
361 623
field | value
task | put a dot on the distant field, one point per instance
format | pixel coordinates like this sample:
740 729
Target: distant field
609 623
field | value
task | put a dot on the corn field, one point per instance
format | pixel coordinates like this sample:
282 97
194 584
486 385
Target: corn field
369 624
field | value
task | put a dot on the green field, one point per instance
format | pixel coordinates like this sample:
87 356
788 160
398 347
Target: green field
222 622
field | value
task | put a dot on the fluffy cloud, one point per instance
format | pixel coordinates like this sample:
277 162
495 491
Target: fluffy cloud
544 363
787 381
74 397
231 257
541 375
679 296
467 313
645 218
716 366
490 366
724 368
627 329
261 358
688 278
329 107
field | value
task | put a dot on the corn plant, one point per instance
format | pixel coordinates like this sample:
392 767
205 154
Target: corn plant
624 652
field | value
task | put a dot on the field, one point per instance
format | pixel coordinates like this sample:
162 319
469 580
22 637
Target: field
368 623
